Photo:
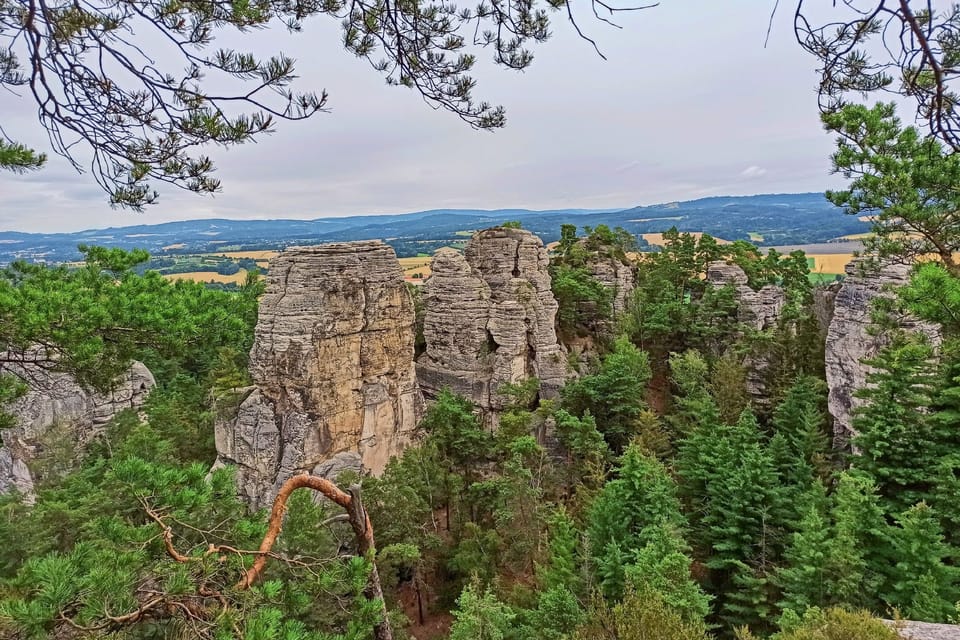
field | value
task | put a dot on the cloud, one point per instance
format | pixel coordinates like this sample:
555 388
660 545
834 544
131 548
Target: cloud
753 171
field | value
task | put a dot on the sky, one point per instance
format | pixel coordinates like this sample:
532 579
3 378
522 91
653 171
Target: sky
689 103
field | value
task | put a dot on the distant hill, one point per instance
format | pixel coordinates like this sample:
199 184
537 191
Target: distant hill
775 219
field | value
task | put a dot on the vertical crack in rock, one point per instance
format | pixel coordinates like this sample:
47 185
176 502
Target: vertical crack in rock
332 366
489 318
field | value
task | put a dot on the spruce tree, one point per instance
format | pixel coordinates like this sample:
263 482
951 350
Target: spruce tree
636 509
804 578
859 549
739 499
924 584
897 442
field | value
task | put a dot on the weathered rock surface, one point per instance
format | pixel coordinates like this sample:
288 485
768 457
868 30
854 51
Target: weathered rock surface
55 400
332 365
758 310
911 630
617 276
489 320
849 340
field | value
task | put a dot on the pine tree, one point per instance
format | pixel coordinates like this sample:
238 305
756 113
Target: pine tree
631 512
481 616
615 395
804 578
923 585
897 444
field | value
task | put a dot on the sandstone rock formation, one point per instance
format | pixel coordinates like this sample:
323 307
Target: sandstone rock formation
332 366
489 319
617 276
758 310
55 400
849 340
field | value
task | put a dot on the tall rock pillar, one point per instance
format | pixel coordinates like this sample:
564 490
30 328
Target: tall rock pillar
489 320
332 366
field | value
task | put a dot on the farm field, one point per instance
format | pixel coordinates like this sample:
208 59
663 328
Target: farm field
415 265
829 263
209 276
657 238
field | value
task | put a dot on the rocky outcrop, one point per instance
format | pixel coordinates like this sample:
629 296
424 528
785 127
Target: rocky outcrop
850 341
55 400
489 320
618 276
332 366
757 309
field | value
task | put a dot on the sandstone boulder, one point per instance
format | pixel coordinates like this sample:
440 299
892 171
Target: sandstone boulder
332 366
850 340
55 400
489 320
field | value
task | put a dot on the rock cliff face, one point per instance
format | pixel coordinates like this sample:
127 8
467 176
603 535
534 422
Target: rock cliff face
617 276
56 400
758 310
489 319
849 340
332 366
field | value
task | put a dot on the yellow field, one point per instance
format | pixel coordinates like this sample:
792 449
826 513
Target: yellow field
171 247
657 238
209 276
830 263
253 255
418 264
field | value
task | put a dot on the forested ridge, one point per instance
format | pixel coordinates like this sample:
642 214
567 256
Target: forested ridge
673 501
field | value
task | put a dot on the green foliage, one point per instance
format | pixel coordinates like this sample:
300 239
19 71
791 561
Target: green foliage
584 303
831 624
800 419
636 535
900 178
639 616
17 158
480 616
615 395
95 319
560 570
734 486
899 445
804 578
933 294
455 430
923 585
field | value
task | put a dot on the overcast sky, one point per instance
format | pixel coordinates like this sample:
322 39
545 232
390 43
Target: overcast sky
688 104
